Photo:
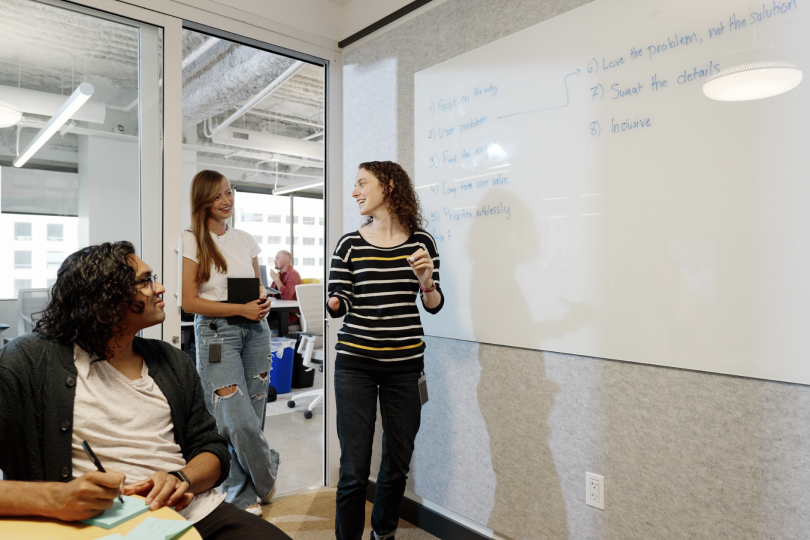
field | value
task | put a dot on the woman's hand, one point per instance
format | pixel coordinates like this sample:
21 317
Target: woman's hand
422 266
162 489
333 303
256 310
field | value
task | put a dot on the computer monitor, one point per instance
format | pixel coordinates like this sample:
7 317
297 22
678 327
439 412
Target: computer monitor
263 274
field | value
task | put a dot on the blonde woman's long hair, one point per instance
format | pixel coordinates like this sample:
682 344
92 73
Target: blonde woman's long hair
204 190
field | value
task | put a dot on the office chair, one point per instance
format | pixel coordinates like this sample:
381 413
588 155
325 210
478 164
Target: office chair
30 303
310 300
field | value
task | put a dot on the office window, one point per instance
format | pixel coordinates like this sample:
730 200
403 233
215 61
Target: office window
294 220
250 216
22 259
274 219
295 261
309 220
320 222
55 259
21 284
320 241
308 261
274 240
55 232
22 231
259 239
309 241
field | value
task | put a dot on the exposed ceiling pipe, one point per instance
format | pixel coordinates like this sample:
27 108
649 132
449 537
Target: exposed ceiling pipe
199 51
125 108
284 118
28 122
268 142
47 104
260 171
255 155
266 92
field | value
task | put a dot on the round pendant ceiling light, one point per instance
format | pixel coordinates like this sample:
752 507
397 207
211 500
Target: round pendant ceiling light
9 116
756 80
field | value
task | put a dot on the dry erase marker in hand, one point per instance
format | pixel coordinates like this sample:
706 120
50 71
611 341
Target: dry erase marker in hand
96 462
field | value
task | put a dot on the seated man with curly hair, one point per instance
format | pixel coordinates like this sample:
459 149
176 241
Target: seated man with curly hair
85 375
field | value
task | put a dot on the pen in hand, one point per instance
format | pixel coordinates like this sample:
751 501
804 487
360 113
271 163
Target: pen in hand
96 462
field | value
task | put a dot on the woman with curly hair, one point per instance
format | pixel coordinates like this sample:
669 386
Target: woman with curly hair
232 357
377 272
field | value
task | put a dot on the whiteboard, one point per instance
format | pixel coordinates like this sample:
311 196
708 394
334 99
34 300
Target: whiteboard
587 198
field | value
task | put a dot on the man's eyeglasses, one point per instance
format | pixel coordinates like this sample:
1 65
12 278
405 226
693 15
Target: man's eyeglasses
152 281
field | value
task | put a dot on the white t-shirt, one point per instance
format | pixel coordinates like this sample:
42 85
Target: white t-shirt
129 427
238 247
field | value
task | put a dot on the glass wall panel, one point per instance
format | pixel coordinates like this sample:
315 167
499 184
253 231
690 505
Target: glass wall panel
96 178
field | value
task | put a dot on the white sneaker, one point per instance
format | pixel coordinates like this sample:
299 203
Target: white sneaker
269 497
254 509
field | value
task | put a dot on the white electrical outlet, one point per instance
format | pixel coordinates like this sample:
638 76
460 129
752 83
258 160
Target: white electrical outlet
595 490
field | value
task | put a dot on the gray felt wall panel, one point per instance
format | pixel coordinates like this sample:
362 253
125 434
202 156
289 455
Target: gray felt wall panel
509 433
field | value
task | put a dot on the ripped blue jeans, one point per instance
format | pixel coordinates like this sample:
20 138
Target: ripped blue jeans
240 415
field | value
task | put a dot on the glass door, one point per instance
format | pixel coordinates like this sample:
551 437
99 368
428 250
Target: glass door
80 139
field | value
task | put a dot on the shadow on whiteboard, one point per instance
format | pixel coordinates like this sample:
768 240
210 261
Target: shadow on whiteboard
514 395
496 249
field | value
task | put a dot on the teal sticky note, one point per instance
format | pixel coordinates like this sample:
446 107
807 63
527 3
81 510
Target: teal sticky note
158 529
119 513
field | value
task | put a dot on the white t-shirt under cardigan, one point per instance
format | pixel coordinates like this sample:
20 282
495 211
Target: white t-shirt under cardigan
238 247
129 426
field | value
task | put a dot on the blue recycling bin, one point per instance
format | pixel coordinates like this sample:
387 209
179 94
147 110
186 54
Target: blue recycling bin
281 364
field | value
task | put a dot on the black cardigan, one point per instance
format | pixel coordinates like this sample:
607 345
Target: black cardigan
38 389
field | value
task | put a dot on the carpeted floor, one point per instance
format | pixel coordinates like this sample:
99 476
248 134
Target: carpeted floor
311 516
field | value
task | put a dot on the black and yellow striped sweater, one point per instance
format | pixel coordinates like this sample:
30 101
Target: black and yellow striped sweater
377 289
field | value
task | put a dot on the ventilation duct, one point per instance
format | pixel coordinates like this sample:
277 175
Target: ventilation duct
267 142
47 104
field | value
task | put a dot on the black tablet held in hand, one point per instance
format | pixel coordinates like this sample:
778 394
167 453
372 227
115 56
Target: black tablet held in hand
242 291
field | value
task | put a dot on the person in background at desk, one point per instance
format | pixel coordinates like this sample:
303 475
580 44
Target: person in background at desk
233 359
376 275
84 375
286 279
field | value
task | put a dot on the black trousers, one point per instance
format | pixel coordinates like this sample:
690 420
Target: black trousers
228 522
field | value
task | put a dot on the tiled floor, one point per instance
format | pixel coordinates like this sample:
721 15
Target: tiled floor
299 441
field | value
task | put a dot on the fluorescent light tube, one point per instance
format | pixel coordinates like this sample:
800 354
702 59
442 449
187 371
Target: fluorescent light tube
73 104
298 187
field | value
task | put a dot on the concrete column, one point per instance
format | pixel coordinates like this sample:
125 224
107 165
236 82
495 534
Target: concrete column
109 191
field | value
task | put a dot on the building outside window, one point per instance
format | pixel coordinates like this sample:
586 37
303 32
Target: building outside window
56 232
50 282
294 220
22 231
309 241
22 259
320 222
274 240
259 239
295 261
320 241
309 220
55 259
308 261
251 216
274 219
320 262
21 284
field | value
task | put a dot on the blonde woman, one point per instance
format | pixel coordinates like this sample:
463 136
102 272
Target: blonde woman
232 359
